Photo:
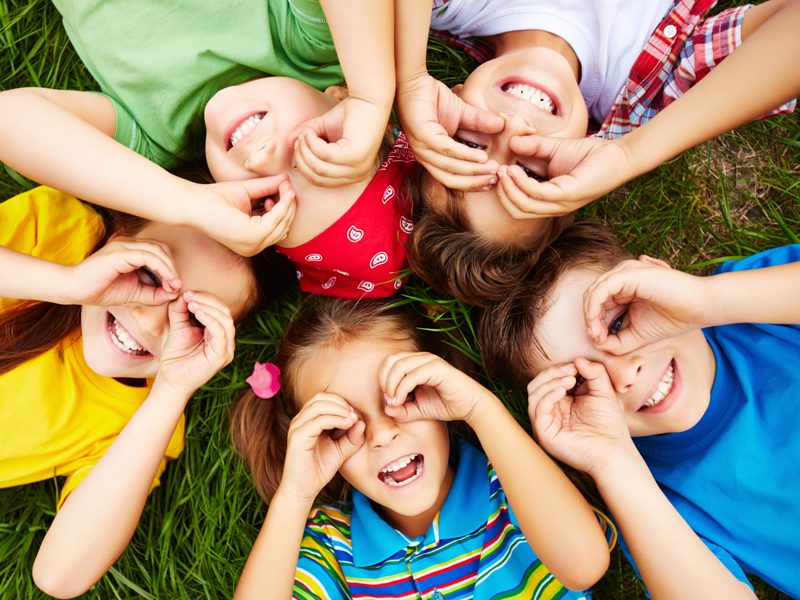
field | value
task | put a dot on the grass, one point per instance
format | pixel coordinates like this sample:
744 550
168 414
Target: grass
725 199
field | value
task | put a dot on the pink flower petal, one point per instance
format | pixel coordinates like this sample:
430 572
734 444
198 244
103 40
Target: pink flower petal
265 380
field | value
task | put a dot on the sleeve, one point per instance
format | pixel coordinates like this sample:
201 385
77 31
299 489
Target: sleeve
49 224
319 575
129 133
74 479
724 557
769 258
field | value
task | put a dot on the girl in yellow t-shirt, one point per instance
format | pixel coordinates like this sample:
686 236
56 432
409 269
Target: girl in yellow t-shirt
100 350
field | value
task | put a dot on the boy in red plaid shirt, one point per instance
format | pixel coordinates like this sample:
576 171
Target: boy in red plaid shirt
519 155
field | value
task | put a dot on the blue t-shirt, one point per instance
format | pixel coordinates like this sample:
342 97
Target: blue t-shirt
734 477
473 549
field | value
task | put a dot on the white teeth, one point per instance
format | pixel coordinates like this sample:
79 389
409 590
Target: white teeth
535 96
123 340
245 127
392 483
664 388
398 464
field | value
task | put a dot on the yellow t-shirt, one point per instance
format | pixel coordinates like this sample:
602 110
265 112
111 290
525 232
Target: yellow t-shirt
58 416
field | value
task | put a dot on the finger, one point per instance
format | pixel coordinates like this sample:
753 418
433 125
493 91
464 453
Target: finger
406 412
217 339
464 183
349 443
399 378
534 145
483 121
545 413
323 404
326 159
516 202
208 298
260 187
449 154
596 377
132 257
550 375
524 193
274 225
313 428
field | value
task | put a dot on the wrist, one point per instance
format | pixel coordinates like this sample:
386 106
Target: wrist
621 462
296 500
169 392
486 404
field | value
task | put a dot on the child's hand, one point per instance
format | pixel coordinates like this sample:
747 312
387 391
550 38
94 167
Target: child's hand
584 430
419 385
341 146
193 354
430 113
124 271
244 215
641 301
324 434
579 171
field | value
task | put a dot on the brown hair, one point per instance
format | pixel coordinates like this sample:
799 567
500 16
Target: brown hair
452 258
507 330
259 427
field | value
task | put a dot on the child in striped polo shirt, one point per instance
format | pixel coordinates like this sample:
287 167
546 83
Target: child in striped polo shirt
363 408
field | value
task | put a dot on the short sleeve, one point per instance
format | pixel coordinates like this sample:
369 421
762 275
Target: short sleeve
722 555
769 258
129 133
319 575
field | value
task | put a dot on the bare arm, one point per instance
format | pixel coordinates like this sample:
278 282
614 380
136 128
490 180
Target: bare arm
589 433
557 521
99 517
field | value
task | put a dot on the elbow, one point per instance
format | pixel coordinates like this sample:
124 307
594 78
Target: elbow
57 581
583 574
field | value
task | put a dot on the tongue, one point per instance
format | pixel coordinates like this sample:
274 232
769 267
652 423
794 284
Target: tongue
401 475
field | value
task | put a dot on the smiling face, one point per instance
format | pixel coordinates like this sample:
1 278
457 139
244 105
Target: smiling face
402 467
247 125
534 89
126 341
663 387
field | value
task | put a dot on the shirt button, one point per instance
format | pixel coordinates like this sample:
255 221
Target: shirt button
670 31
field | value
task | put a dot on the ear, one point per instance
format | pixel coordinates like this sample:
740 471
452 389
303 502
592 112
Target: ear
456 89
339 92
649 260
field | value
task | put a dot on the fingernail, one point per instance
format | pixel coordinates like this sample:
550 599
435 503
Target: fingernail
492 180
388 399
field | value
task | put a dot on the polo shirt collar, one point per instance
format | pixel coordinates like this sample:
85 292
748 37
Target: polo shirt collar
464 511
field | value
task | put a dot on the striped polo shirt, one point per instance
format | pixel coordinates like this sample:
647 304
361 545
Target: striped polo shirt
473 549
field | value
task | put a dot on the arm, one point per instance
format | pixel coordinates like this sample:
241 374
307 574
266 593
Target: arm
340 146
557 521
758 76
430 112
660 302
312 459
106 278
68 145
99 517
588 432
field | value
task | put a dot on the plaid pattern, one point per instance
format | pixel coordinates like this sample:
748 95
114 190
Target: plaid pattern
682 50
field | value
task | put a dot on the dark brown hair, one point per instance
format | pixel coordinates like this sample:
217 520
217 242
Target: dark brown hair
507 330
453 258
259 427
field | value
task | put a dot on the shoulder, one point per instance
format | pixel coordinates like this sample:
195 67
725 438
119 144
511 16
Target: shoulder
768 258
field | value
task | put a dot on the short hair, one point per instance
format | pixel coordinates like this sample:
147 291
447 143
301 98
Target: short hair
507 330
452 258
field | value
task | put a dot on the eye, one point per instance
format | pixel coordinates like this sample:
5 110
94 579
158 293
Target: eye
531 173
195 323
617 323
469 143
579 389
147 277
335 434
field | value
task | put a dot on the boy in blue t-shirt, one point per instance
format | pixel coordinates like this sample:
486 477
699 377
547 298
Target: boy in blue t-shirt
646 375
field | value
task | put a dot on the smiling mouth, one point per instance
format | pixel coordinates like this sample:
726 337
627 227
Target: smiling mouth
402 471
122 339
663 388
536 97
244 128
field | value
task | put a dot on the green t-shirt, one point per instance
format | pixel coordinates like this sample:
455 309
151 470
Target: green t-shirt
160 61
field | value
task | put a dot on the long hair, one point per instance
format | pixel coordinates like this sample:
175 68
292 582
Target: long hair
260 427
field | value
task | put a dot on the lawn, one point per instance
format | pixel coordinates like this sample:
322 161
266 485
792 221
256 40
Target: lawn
725 199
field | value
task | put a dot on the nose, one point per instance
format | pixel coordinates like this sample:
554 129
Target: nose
624 370
152 321
516 124
262 159
381 431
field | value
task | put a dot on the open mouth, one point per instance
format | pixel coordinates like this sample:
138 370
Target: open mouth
122 339
402 471
244 128
663 388
535 96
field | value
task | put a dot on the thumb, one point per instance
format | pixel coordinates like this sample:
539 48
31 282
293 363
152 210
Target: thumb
178 313
534 145
262 186
596 378
349 443
483 121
